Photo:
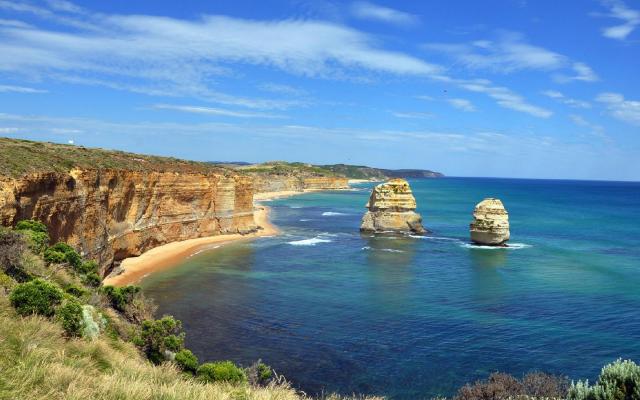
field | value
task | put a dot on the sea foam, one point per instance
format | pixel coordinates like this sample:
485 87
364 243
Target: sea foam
309 242
332 214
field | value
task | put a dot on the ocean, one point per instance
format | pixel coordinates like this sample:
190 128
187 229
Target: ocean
413 317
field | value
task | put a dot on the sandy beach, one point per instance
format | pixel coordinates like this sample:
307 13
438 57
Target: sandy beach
170 254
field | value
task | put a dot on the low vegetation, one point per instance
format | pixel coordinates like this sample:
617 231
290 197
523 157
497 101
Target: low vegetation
19 157
65 337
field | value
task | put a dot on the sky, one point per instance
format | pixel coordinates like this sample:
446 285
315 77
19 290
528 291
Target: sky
497 88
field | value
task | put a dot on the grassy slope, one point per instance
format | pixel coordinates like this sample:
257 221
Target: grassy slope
18 157
36 362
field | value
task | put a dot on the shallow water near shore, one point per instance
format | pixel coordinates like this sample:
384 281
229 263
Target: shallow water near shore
412 317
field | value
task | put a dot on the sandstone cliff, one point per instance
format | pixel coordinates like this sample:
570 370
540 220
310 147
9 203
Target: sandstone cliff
391 207
490 225
110 215
111 205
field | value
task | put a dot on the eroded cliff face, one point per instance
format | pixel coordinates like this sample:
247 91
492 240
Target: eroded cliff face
110 215
266 183
392 209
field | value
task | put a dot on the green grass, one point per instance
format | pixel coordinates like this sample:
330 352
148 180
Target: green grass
20 157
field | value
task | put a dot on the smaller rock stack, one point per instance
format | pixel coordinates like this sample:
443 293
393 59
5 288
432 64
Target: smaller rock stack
392 209
490 225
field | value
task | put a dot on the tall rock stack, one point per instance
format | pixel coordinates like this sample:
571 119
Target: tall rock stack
490 225
392 209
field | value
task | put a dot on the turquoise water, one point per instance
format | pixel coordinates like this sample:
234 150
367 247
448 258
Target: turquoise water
409 317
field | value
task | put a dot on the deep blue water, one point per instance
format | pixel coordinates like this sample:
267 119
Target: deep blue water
409 317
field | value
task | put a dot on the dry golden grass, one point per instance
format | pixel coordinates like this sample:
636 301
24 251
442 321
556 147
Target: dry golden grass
36 362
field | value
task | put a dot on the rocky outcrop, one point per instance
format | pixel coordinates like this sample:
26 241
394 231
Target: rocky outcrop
490 225
110 215
266 183
391 208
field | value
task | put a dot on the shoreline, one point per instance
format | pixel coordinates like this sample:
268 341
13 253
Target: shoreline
169 255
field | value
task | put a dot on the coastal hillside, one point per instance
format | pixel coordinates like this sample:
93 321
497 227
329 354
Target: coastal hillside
110 205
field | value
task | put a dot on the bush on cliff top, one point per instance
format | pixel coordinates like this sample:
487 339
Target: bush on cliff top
221 371
157 337
36 297
186 361
619 380
70 315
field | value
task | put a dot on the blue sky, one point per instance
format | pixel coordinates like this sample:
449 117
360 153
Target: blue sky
509 88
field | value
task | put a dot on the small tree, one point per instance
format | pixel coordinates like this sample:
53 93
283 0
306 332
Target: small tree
70 314
12 248
36 232
159 336
187 361
36 297
119 297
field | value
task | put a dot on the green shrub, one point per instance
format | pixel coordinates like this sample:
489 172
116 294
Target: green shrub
119 297
70 314
159 336
221 371
259 374
88 267
75 290
54 257
92 279
36 297
187 361
36 232
31 225
60 253
619 380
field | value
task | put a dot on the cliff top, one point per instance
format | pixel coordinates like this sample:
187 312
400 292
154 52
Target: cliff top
19 157
286 169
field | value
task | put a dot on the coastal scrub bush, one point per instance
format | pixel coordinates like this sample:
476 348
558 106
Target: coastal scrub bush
221 371
158 337
88 267
501 386
119 297
92 279
36 297
60 253
70 315
75 290
259 374
619 380
186 361
36 233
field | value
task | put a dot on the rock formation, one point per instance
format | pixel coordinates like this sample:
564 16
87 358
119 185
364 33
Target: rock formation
392 209
110 215
266 183
490 224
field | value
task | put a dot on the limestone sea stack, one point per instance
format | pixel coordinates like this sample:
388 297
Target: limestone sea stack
392 209
490 224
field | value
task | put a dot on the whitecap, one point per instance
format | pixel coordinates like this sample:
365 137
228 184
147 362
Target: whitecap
309 242
305 220
331 214
386 250
435 238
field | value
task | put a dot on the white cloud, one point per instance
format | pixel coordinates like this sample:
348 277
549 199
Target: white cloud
462 104
214 111
582 72
558 96
282 89
618 107
8 130
508 54
630 20
374 12
183 56
594 129
412 115
19 89
504 97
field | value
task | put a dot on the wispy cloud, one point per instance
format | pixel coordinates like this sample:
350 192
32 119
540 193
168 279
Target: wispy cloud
282 89
214 111
412 115
509 53
183 55
558 96
629 17
503 96
594 129
581 72
624 110
19 89
374 12
462 104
